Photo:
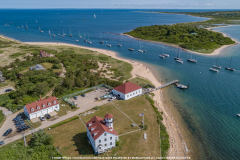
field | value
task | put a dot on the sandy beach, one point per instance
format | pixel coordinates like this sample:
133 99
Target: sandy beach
177 144
215 52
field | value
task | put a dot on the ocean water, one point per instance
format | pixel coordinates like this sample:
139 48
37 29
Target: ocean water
208 107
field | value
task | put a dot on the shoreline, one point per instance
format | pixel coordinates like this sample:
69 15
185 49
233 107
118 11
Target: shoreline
214 53
178 146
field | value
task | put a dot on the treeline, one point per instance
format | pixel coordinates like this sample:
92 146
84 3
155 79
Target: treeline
185 36
39 147
79 74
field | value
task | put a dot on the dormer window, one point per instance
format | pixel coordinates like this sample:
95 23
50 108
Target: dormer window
92 129
38 107
32 109
43 105
54 102
89 124
49 104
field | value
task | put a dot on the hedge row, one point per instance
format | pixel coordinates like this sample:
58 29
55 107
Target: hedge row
163 132
65 121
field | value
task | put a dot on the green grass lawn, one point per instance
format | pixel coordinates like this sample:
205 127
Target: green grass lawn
49 65
71 138
140 81
64 109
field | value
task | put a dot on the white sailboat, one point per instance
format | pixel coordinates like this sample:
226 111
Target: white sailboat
21 25
49 32
179 60
192 60
94 15
89 42
63 33
109 45
140 48
80 35
229 68
130 49
217 66
161 55
26 26
53 34
58 33
84 38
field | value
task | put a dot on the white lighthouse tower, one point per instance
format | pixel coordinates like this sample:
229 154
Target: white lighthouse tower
109 120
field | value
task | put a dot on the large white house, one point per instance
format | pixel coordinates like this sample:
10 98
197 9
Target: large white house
127 90
101 134
41 108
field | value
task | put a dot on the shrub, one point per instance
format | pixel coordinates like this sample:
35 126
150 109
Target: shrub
96 107
117 143
56 66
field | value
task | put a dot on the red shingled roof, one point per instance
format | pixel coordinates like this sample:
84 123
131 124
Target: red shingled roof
40 104
127 87
108 116
99 127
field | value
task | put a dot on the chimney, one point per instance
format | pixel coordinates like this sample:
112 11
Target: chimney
40 97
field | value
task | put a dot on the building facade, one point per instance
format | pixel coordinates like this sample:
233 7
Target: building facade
44 54
127 90
41 108
101 134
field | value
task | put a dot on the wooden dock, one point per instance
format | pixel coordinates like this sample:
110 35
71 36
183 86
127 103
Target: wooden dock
167 84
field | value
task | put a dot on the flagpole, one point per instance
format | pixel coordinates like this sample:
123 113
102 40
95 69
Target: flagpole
143 121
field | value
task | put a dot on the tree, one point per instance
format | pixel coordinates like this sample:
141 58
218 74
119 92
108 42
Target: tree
41 138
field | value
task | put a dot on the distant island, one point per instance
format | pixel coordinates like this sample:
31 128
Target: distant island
192 35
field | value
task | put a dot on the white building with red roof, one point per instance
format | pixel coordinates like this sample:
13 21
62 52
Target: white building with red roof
41 108
101 134
127 90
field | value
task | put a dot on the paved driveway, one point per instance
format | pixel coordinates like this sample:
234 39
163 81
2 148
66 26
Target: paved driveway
2 90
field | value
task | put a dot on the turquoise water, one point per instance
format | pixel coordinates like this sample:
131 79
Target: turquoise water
209 106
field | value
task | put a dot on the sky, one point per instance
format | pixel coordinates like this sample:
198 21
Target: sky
131 4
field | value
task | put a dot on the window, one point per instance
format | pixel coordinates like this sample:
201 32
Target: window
136 92
54 102
49 104
130 94
127 95
110 143
139 91
110 138
105 134
32 109
38 107
105 144
43 105
133 93
105 139
99 141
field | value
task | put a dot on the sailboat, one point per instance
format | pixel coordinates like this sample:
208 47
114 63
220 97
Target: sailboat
21 25
178 56
39 28
53 34
101 40
109 45
41 31
166 55
36 21
191 60
130 49
119 43
80 35
49 32
58 33
26 26
94 15
161 55
229 68
213 69
88 40
140 50
84 38
216 66
63 33
70 35
179 60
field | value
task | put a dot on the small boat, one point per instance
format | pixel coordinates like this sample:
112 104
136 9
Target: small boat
130 49
101 42
229 68
70 35
179 61
140 48
181 86
84 38
94 15
162 56
89 42
36 21
63 33
53 34
166 55
21 25
39 28
41 31
216 66
192 60
49 32
26 26
213 69
109 45
77 41
238 115
80 35
119 45
177 57
58 33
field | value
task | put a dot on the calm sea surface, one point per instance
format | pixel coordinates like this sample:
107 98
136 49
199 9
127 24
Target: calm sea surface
208 107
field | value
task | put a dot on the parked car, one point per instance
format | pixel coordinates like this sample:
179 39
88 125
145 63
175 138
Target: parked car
21 124
23 128
42 118
48 116
2 142
17 118
75 97
8 90
83 95
7 132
